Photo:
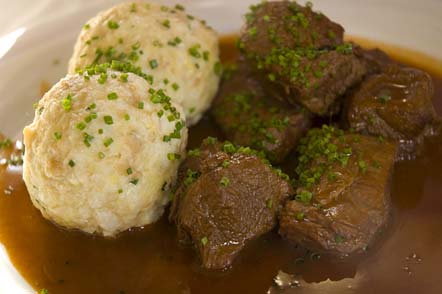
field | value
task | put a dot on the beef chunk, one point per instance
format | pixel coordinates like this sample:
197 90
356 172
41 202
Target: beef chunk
250 118
375 60
342 200
395 104
227 196
300 54
285 24
314 79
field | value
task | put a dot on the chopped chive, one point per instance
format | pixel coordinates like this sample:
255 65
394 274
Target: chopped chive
113 25
108 119
101 155
134 181
153 63
87 139
173 156
91 107
112 96
300 216
123 77
67 102
57 136
166 23
81 126
108 141
179 7
103 78
224 181
129 171
141 105
204 241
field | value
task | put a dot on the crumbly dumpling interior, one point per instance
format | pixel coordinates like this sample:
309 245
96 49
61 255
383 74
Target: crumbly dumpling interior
179 52
103 151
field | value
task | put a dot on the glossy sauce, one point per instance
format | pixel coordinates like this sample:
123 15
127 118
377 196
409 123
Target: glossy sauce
149 260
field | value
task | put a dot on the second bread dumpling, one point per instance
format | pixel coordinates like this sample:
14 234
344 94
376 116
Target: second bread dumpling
177 51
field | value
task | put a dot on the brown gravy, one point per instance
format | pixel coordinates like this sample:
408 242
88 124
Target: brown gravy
150 260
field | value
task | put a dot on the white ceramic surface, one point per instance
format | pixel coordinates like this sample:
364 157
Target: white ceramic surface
35 33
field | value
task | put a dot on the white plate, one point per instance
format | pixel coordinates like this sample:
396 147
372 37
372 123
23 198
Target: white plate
37 33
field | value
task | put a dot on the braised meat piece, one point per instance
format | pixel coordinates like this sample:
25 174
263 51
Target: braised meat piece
375 60
342 199
300 54
227 196
249 117
285 24
395 104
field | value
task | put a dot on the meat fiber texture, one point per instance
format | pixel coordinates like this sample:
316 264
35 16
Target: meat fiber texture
343 197
226 197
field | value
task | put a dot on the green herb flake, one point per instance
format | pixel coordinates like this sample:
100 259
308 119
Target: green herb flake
66 103
180 7
71 163
153 63
108 120
362 166
166 23
133 7
194 51
57 136
123 77
134 182
173 156
81 126
224 181
126 117
269 203
141 105
107 142
91 107
218 68
129 171
112 96
194 152
102 78
204 241
226 163
304 197
101 155
112 25
87 139
300 216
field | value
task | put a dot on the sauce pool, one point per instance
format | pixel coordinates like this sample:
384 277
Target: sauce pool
150 260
